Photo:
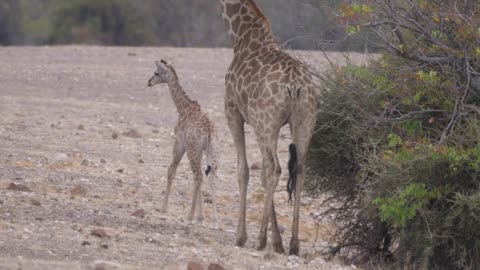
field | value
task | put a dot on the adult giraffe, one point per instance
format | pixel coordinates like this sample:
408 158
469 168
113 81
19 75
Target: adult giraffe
266 88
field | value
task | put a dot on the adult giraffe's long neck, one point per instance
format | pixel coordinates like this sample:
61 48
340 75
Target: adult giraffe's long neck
246 23
180 98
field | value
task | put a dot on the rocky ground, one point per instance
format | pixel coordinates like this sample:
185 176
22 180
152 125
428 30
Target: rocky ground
84 151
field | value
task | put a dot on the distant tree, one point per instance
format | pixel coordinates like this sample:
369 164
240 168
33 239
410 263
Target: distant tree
10 31
107 22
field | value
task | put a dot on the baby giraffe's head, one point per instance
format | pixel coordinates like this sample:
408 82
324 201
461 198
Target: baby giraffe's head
161 75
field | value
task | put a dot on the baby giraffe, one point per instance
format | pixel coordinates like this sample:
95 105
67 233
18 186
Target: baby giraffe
195 134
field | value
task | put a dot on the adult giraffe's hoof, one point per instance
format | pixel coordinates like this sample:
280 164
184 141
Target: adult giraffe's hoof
294 247
261 245
241 241
278 248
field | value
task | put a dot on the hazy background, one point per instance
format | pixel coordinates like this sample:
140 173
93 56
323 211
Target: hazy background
302 24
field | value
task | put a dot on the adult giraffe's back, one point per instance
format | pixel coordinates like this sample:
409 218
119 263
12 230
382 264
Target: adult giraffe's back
267 88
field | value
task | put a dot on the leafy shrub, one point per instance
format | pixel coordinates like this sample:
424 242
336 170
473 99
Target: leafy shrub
406 180
397 142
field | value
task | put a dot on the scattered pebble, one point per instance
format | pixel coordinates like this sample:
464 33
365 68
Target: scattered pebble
140 213
256 165
81 127
194 266
99 233
132 133
18 187
78 191
115 135
215 266
35 202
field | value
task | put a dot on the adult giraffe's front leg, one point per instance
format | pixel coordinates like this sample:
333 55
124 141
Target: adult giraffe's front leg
236 124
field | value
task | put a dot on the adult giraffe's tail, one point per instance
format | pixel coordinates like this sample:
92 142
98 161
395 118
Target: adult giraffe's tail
292 171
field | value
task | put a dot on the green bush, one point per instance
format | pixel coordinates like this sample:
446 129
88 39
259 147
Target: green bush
397 142
402 191
106 22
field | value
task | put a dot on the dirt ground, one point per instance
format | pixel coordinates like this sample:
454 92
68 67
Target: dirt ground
84 152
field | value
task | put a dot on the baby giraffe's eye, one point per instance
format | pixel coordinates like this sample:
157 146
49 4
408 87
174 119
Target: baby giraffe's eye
156 73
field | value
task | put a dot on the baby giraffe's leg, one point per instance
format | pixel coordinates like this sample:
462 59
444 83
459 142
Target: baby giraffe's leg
199 214
178 151
211 172
194 154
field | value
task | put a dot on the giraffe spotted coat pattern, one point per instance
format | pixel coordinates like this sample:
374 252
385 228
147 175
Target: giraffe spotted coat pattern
194 134
266 88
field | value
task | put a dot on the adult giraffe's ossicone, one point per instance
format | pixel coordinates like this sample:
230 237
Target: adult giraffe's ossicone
266 88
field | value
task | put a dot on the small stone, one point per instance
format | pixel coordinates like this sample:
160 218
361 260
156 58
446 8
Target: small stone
35 202
18 187
104 246
194 266
86 243
99 233
292 258
61 157
132 133
115 135
208 200
140 213
103 161
256 165
281 229
78 191
105 265
120 170
227 221
77 227
215 266
141 161
86 162
81 127
100 266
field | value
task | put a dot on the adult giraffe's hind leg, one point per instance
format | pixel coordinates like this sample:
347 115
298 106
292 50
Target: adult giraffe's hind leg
277 242
301 140
236 125
272 174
